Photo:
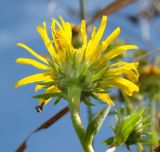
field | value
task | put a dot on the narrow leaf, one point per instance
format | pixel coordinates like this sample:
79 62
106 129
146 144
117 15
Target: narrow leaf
96 123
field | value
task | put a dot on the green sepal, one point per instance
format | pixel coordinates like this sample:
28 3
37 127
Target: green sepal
96 123
46 83
87 102
52 62
47 95
98 75
108 141
74 61
57 100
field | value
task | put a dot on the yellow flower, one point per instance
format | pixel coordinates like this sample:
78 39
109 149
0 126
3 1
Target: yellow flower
150 70
90 67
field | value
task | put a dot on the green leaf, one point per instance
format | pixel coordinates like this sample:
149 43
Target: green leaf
47 95
96 123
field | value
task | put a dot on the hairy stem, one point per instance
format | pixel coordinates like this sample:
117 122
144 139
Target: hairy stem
74 94
74 102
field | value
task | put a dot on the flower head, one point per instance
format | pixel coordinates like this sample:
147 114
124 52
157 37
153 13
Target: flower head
89 67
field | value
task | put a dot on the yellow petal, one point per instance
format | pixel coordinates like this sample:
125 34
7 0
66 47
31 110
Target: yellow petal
93 32
125 85
118 50
83 33
32 52
52 89
135 64
67 29
62 36
33 78
100 31
105 43
44 101
32 63
38 87
124 68
94 42
62 21
55 22
105 97
44 35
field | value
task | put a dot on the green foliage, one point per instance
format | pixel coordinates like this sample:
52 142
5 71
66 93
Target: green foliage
130 129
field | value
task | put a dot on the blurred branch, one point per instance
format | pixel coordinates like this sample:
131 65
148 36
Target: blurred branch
45 125
112 8
151 53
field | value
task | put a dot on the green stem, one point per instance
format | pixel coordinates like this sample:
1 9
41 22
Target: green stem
88 148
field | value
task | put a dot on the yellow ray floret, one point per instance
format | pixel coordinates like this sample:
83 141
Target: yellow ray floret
90 50
105 43
105 98
34 78
44 35
32 63
52 89
118 50
83 34
38 87
123 68
125 85
32 52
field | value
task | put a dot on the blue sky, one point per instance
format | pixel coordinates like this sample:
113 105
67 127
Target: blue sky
18 21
